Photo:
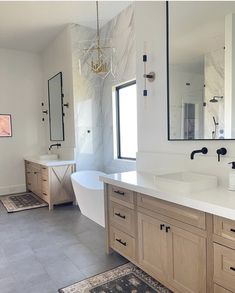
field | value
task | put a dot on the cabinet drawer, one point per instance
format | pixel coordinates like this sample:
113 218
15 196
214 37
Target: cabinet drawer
29 185
224 228
218 289
45 196
29 176
122 217
44 171
45 186
224 266
122 242
187 215
28 165
32 167
121 193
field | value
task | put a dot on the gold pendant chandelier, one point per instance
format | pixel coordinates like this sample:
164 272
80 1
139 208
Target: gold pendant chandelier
99 58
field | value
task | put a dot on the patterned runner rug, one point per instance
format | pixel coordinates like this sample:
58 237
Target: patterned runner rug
20 202
126 278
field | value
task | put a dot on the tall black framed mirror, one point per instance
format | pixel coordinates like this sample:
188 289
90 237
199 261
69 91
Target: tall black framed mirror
55 101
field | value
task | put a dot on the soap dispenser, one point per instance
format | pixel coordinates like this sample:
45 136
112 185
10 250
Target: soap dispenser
232 177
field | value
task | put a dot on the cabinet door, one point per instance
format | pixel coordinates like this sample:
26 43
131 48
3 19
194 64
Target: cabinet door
187 261
38 181
29 179
35 181
152 246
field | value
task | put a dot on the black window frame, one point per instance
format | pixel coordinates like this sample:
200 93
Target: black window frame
117 89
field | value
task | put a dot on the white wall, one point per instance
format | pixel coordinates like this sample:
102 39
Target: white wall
55 58
152 110
21 96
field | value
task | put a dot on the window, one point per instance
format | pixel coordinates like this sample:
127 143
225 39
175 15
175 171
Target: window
126 120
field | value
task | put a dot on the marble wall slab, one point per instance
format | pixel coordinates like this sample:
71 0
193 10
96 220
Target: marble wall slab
93 95
214 86
121 30
87 104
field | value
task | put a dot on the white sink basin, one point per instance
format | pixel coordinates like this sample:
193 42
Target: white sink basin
185 182
47 157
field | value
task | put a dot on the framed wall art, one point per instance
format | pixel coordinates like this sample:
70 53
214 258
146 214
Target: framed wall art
5 125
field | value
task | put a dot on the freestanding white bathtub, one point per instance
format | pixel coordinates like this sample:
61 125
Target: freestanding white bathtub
89 194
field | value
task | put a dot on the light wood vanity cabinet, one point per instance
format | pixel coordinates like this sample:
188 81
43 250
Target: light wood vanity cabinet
153 254
224 254
33 177
187 250
173 252
52 184
219 289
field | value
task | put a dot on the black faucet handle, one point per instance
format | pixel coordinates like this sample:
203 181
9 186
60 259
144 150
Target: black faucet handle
221 152
204 150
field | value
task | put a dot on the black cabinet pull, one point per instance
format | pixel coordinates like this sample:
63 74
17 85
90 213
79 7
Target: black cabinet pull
120 241
162 226
120 216
232 268
119 192
167 229
44 193
232 230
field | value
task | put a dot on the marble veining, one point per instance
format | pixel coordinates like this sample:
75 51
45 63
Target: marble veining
93 95
87 104
122 32
214 86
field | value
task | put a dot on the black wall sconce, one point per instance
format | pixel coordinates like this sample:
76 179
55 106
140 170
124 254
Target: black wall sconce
150 76
44 112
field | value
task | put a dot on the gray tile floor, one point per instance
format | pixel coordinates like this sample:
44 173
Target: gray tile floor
42 251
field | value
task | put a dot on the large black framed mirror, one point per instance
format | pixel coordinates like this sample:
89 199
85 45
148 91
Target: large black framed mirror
201 70
55 101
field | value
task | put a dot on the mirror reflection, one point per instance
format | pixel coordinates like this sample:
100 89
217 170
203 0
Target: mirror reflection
201 70
55 99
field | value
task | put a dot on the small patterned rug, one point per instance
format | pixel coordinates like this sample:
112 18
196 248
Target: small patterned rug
20 202
126 278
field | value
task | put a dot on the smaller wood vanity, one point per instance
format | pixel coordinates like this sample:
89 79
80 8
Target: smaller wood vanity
188 250
51 183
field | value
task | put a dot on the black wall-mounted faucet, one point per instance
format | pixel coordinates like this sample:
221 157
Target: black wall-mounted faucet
203 151
221 151
55 144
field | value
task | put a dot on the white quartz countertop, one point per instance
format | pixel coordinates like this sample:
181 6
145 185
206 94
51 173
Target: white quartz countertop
49 163
218 201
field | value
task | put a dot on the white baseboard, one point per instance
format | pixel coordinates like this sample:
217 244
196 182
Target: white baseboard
12 189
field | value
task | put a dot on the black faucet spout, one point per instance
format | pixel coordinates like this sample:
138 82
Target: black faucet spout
203 151
55 144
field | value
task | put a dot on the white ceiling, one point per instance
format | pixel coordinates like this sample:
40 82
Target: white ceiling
196 28
31 25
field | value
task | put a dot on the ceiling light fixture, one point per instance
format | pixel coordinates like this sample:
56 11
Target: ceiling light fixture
99 58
